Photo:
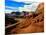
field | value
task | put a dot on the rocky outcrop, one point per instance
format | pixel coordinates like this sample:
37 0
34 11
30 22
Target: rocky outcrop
34 23
30 24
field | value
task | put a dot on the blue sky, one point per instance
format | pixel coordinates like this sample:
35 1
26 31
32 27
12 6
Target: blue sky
13 5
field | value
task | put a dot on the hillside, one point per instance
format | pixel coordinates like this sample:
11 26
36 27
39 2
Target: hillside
32 23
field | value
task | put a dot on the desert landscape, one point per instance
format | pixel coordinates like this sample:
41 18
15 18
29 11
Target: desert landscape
34 23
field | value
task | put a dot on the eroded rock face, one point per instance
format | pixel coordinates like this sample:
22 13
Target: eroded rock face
32 24
40 8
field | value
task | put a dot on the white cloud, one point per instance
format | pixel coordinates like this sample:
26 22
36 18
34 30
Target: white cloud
29 8
23 9
10 9
28 1
14 8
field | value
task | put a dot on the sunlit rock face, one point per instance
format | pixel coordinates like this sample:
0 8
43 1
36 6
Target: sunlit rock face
40 8
33 23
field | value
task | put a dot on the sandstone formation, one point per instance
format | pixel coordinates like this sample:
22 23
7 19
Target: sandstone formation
33 23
